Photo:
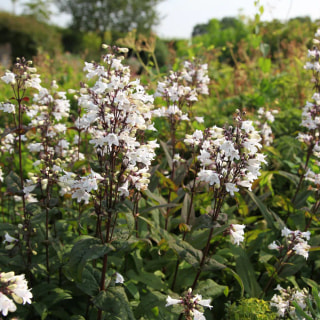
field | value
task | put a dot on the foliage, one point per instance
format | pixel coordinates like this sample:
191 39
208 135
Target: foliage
27 36
120 16
251 308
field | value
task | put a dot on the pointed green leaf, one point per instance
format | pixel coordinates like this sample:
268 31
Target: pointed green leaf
187 212
246 272
263 209
115 303
85 249
167 153
13 183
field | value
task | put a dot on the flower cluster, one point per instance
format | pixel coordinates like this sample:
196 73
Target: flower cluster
116 113
15 287
265 118
191 305
296 242
229 156
283 301
237 233
311 113
182 88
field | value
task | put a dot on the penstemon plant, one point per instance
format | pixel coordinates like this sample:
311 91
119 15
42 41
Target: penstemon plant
123 204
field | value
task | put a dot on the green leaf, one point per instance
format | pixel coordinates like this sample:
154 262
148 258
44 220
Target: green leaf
209 288
264 64
185 251
150 279
53 202
167 153
85 249
13 183
90 281
213 265
302 197
310 282
280 222
41 309
300 313
187 209
166 182
115 303
78 164
153 299
132 288
160 206
292 177
203 222
246 272
265 48
238 279
263 209
158 198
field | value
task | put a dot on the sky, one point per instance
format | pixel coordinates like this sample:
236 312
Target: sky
178 17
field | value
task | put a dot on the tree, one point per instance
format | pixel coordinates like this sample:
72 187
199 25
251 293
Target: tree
110 15
200 29
39 9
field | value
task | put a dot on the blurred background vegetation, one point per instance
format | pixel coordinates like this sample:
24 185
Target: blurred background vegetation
252 63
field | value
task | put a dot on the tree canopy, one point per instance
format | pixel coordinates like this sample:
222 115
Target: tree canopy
109 15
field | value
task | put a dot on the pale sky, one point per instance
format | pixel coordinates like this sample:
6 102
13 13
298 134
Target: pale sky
178 17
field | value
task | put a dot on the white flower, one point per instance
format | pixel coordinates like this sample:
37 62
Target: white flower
35 147
8 238
197 315
209 176
280 304
28 189
112 139
8 107
302 248
231 188
306 235
6 305
34 82
230 151
237 233
204 302
273 246
247 126
285 232
20 292
171 301
124 189
17 287
199 119
9 78
119 278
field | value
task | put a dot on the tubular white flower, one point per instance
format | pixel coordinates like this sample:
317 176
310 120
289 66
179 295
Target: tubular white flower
302 248
9 78
237 233
171 301
6 305
8 238
197 315
204 302
273 246
119 278
17 287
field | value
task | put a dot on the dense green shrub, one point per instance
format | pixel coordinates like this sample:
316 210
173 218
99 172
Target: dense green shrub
27 36
250 309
